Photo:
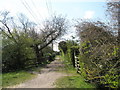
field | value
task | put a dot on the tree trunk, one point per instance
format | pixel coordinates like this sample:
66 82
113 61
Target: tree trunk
38 54
73 57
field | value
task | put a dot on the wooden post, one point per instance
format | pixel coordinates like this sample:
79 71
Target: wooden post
77 65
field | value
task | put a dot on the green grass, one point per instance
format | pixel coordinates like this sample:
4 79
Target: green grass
0 80
73 82
13 78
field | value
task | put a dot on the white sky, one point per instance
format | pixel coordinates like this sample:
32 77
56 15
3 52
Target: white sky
38 10
89 14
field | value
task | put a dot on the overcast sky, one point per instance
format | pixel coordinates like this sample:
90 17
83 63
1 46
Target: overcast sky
39 10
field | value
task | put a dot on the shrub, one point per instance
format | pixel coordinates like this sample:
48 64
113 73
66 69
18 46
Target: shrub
17 55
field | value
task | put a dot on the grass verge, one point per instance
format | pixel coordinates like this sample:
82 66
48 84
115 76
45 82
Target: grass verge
13 78
73 82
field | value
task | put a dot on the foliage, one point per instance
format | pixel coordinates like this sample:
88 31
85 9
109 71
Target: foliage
98 54
24 46
68 50
17 55
74 80
62 45
111 79
49 53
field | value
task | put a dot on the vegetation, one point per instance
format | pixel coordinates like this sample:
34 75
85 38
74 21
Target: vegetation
73 82
96 58
25 47
13 78
97 55
68 50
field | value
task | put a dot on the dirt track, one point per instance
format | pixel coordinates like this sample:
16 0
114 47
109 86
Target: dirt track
46 78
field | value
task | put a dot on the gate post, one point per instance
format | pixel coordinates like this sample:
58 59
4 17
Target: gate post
77 65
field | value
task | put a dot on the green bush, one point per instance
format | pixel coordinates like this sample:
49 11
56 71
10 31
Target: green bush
18 55
101 67
99 54
111 79
68 50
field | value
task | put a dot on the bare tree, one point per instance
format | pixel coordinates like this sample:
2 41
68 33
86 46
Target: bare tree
52 29
26 24
5 26
114 12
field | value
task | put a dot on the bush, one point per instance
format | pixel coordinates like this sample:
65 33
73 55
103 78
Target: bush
99 55
17 55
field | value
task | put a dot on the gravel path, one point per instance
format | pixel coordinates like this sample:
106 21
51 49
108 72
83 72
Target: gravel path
46 78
